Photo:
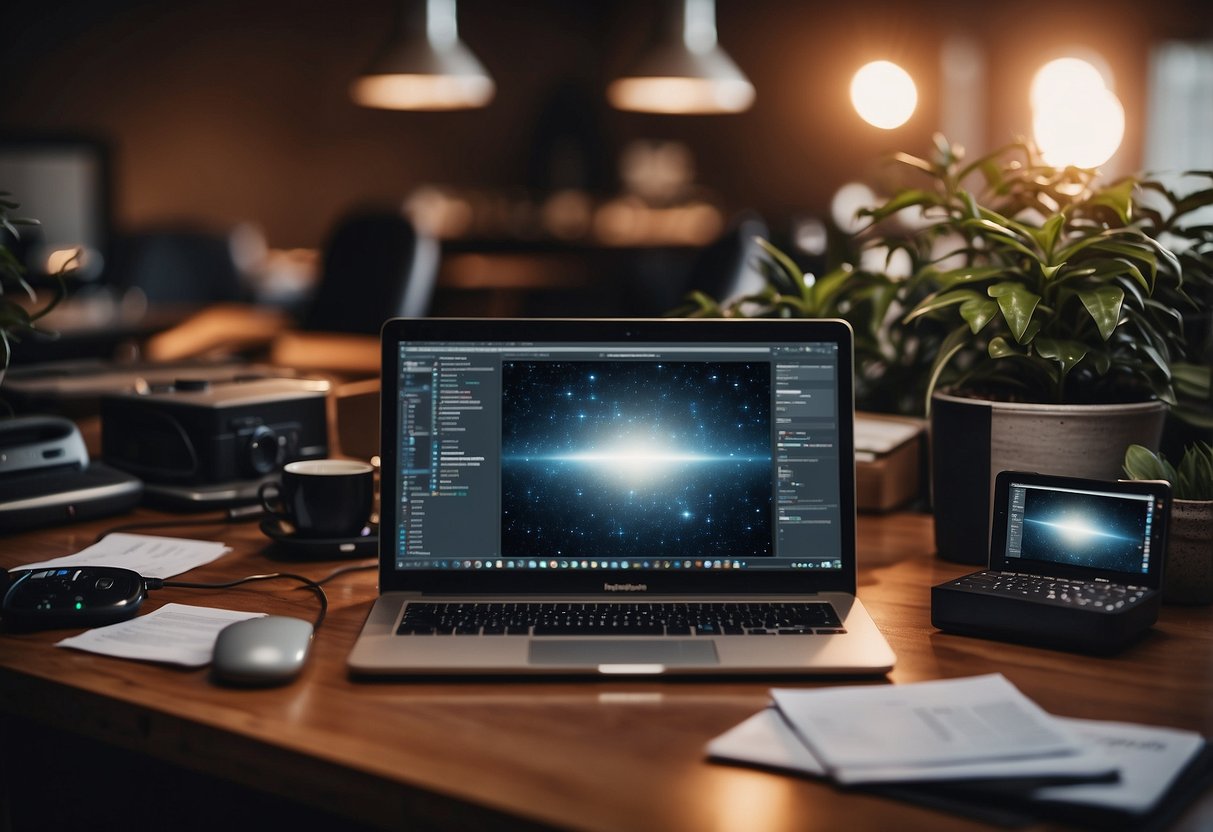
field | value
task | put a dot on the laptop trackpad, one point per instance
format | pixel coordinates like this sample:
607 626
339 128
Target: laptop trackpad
624 652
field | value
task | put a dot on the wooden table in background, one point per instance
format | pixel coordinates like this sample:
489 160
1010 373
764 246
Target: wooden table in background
610 755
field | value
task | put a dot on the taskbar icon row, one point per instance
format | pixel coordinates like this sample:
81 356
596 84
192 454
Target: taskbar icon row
618 564
563 563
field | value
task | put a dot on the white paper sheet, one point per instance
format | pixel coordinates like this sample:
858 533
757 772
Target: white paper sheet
1146 759
149 555
175 633
766 739
1149 760
937 723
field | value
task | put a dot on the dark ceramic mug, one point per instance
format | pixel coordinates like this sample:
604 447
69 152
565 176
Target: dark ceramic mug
322 498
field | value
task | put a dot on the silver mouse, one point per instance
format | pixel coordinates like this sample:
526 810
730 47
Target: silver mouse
263 651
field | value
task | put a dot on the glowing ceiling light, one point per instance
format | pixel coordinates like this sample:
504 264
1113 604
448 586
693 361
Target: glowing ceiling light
1076 118
425 66
685 71
884 94
1065 77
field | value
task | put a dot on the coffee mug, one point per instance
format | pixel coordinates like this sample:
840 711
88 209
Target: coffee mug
322 497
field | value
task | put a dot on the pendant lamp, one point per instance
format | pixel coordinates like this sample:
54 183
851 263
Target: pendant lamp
424 66
684 70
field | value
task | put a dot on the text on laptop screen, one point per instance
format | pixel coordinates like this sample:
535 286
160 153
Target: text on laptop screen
619 456
1093 529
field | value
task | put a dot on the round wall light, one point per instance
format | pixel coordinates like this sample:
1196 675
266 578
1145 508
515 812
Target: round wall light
884 94
1076 118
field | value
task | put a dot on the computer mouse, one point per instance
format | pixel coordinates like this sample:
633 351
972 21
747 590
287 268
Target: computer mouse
260 652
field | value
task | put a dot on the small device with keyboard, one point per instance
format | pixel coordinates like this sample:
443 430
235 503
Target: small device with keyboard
1074 564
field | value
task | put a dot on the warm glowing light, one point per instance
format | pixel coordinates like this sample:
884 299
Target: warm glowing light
846 204
884 94
422 92
62 259
1076 118
681 96
1065 78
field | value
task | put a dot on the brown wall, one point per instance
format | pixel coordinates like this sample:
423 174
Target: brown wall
223 111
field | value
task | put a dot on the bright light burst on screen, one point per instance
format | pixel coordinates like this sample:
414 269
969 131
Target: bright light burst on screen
636 461
1076 529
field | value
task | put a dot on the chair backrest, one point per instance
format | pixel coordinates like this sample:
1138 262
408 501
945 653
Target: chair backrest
177 265
725 267
376 266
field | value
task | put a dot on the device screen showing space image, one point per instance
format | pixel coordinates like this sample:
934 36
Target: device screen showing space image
636 458
1076 528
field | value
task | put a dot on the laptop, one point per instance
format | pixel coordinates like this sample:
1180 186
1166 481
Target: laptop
617 497
1075 564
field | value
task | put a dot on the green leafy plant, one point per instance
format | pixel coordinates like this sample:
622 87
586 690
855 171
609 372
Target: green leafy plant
20 306
1007 278
1192 479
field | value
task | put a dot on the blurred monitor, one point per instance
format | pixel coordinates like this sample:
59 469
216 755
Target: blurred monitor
65 184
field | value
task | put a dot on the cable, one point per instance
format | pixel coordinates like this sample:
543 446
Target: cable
358 567
314 586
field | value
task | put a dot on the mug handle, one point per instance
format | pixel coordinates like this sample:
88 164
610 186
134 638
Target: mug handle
267 500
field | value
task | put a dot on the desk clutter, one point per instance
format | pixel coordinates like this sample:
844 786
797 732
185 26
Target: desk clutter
978 747
87 590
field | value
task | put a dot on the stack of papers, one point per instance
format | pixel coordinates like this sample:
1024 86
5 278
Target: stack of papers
967 744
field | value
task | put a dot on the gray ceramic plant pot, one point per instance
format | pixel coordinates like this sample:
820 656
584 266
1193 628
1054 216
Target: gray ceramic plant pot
1187 576
973 439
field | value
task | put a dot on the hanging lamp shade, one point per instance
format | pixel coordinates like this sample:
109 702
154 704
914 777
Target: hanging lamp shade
424 66
684 71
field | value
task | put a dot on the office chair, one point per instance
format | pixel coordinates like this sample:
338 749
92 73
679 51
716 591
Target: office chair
725 268
376 265
177 266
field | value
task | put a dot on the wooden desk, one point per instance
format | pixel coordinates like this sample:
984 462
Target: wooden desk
616 755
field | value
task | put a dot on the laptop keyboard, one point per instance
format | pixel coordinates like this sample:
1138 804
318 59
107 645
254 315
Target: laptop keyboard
1064 591
620 619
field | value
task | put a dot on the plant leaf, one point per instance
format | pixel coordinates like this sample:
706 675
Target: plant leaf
978 312
968 274
1119 198
901 201
1103 304
941 300
1017 304
952 344
1066 353
1001 348
1143 464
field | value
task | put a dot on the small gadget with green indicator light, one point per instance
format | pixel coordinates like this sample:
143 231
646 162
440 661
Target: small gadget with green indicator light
83 596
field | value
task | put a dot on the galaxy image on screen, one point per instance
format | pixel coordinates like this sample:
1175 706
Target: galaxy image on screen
636 458
1091 530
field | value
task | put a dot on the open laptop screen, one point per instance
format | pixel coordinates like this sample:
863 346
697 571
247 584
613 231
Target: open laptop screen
628 453
1080 528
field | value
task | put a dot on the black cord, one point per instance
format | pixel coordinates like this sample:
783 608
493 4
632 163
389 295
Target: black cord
358 567
314 586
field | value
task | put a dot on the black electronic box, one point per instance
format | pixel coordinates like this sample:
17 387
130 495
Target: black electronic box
1075 564
199 442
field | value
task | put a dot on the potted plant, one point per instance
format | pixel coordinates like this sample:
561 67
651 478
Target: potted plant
1188 572
20 306
1037 312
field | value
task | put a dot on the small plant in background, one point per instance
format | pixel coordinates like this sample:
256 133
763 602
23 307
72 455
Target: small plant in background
1192 479
19 303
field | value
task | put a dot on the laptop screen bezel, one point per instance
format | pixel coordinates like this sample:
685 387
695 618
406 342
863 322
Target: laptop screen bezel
605 331
1160 491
